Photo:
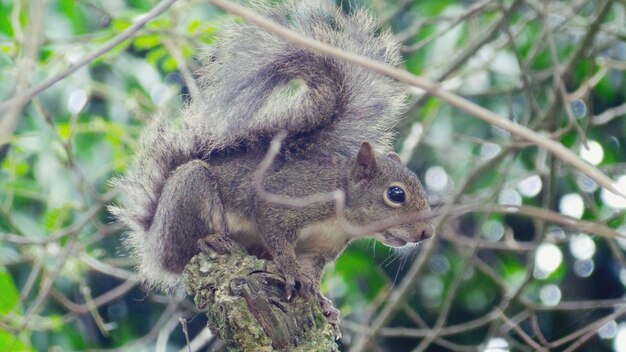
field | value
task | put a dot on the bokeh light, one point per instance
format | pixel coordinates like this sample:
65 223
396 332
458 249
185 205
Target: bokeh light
582 246
530 186
572 205
510 197
622 276
497 344
613 200
439 264
489 150
608 330
493 231
579 108
592 153
76 101
432 287
584 268
619 344
550 295
547 259
436 179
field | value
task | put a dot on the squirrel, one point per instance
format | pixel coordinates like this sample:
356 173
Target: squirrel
194 176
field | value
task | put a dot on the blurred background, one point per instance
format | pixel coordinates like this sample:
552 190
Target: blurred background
529 252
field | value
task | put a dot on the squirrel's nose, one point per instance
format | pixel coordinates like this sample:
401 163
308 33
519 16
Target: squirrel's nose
425 230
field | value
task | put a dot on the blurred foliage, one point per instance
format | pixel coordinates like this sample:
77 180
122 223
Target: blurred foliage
496 278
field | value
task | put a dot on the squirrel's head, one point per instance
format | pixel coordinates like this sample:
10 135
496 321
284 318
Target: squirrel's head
382 189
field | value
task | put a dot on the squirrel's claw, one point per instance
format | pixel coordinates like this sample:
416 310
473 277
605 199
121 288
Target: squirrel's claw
297 281
299 284
290 287
331 313
308 286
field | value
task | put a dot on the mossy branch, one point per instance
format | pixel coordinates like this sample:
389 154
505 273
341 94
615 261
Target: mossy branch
245 302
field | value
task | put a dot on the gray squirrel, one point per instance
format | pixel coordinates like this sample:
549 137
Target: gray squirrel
193 177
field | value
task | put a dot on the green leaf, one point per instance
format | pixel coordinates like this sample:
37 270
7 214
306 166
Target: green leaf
146 41
9 299
159 23
75 15
155 55
56 218
5 23
170 64
121 24
193 26
7 48
9 343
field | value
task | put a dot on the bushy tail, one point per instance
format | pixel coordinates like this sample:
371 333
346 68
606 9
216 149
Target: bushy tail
255 84
161 150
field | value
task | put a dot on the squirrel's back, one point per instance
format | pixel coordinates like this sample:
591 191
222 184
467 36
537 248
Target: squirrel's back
254 85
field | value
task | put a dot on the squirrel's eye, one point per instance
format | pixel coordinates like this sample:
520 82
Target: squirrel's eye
396 194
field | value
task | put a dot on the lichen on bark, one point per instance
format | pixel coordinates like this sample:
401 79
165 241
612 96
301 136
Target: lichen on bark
246 305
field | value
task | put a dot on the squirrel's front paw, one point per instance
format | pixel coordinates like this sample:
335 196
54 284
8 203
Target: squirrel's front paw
299 283
218 243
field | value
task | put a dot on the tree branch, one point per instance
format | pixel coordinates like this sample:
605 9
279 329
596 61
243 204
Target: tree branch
465 105
244 298
21 99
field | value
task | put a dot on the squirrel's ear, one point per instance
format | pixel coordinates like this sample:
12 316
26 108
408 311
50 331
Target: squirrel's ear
395 157
365 166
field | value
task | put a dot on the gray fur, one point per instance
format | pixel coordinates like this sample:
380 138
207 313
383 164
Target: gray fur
254 85
249 70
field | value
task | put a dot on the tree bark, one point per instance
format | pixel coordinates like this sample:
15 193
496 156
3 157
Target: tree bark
245 301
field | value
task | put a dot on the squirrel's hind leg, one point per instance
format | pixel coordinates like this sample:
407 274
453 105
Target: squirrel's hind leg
190 208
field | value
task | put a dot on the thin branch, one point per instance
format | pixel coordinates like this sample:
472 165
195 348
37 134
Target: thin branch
25 68
337 197
609 115
591 327
469 12
520 332
554 217
99 301
473 109
25 96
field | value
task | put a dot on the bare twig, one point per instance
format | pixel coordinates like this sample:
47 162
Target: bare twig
488 116
31 42
24 97
337 197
